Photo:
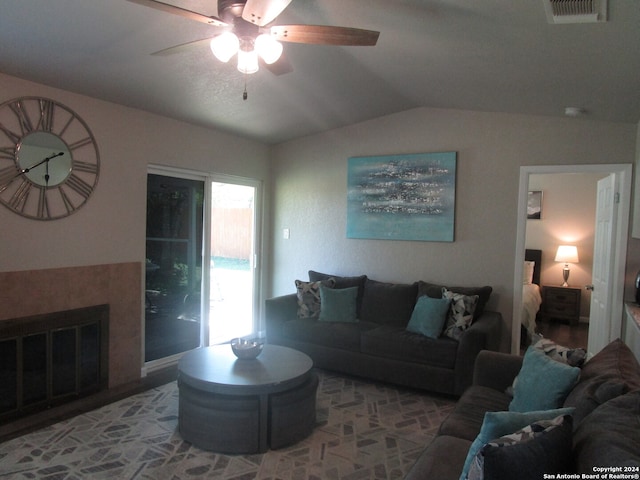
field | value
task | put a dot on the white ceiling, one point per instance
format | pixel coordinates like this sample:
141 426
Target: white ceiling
488 55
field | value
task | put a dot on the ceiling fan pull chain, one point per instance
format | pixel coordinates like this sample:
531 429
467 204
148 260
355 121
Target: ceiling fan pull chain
245 94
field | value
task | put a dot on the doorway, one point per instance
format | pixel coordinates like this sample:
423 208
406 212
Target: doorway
619 241
565 216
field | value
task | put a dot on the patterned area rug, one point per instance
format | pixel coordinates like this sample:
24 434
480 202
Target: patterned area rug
365 431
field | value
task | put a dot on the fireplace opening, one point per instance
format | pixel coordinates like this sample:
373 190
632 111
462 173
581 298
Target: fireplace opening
50 359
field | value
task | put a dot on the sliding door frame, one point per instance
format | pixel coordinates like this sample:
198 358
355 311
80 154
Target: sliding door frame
258 219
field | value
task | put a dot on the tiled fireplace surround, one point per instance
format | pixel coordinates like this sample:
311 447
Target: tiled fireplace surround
34 292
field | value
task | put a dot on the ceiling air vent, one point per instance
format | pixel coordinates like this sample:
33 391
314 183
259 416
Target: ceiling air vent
575 11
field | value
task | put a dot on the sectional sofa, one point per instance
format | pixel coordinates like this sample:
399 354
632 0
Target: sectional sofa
421 335
582 421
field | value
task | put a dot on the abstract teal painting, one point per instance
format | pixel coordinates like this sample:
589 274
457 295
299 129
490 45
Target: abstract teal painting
402 197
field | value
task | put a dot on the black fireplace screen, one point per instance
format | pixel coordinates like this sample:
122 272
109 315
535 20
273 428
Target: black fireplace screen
49 359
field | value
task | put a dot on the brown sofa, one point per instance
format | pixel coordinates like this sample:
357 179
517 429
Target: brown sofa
378 345
605 424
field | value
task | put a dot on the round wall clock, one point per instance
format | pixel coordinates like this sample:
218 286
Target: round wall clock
49 160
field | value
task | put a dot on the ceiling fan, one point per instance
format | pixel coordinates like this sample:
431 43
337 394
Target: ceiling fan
246 31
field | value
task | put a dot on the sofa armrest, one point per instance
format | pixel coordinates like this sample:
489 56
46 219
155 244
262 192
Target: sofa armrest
278 310
496 370
483 334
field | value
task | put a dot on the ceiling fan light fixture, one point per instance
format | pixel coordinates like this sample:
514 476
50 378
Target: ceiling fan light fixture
268 48
225 46
247 58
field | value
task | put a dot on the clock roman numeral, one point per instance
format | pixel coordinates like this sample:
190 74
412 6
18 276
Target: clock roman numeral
43 204
85 167
19 198
23 117
66 201
14 137
79 185
81 143
7 174
45 122
7 153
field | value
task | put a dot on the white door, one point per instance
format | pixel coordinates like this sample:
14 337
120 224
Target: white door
601 296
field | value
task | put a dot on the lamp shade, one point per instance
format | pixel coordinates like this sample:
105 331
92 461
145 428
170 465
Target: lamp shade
224 46
567 254
247 61
268 48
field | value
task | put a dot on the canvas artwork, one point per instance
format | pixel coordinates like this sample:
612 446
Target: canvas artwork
402 197
534 205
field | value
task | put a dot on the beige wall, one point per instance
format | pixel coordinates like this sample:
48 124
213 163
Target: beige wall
110 229
309 195
309 184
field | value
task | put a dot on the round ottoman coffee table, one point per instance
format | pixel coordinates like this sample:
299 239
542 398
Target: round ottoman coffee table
230 405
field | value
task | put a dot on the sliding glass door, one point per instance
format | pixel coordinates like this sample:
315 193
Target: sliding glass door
201 282
173 265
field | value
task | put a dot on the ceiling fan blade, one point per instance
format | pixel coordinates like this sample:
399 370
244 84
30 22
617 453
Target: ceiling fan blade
280 67
324 35
183 47
182 12
262 12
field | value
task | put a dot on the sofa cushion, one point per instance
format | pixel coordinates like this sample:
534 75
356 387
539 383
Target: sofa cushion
611 372
610 435
394 342
497 424
308 294
338 305
435 291
467 417
345 336
388 303
430 465
428 316
342 282
542 383
527 454
460 312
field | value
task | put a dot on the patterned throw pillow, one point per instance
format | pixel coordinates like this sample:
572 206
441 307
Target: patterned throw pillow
498 424
308 294
574 357
460 312
541 447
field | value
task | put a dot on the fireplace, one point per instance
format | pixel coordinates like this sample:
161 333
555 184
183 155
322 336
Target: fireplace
50 359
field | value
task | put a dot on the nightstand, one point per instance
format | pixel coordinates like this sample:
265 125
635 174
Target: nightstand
562 303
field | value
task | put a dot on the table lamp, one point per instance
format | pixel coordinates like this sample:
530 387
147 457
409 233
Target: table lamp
566 254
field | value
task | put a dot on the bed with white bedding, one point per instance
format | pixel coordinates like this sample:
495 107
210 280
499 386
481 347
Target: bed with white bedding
531 295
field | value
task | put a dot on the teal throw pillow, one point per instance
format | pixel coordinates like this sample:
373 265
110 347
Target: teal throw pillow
498 424
428 316
542 383
338 304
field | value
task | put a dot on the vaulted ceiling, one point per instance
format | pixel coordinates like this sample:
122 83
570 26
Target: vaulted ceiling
487 55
